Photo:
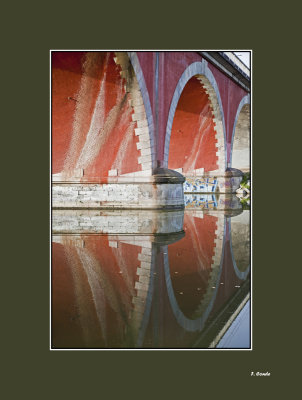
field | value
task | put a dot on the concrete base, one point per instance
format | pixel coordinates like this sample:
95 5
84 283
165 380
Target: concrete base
162 190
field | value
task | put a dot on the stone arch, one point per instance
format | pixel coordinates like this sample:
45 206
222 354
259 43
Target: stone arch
142 302
142 299
102 125
240 145
143 92
199 71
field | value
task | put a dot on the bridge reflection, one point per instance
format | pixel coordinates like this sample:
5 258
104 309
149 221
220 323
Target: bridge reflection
148 279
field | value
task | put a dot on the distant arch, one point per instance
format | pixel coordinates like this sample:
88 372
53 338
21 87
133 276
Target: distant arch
240 145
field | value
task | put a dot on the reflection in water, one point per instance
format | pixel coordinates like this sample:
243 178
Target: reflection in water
148 279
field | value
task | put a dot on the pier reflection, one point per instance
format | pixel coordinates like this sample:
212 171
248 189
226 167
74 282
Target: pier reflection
149 279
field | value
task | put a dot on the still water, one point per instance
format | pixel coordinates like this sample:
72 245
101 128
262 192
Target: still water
152 279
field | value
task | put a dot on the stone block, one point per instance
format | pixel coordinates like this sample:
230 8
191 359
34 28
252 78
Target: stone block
141 286
113 172
145 137
144 271
142 123
139 109
138 116
144 159
143 145
136 100
144 280
141 131
146 166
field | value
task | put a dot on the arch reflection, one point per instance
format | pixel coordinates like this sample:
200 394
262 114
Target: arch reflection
170 283
240 243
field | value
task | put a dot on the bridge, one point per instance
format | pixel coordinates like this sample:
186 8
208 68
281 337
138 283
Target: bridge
138 129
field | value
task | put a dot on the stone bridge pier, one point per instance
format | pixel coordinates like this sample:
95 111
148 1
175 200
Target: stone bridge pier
138 129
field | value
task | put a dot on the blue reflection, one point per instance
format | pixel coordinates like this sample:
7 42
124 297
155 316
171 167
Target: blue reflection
238 334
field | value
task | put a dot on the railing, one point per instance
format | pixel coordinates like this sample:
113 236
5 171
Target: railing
237 62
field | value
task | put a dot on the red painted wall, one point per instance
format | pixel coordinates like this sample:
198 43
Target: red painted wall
92 126
66 78
92 291
64 312
190 262
192 143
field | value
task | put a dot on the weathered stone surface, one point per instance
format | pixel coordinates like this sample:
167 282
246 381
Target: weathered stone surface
165 175
118 222
162 190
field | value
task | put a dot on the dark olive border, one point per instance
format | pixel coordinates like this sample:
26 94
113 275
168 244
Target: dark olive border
30 32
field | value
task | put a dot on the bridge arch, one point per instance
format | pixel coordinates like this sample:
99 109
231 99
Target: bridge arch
240 145
196 121
203 310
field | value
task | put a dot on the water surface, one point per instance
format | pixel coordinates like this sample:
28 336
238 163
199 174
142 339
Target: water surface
152 279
